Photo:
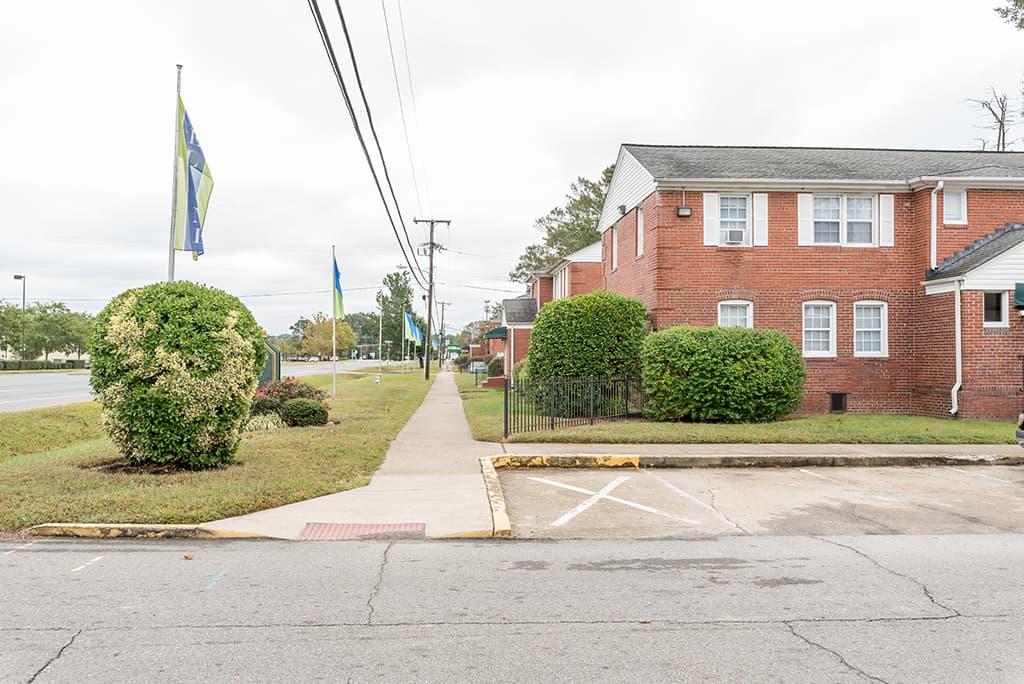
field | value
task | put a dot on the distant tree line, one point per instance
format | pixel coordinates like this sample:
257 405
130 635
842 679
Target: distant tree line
42 330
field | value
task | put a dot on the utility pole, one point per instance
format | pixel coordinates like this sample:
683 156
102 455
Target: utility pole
440 337
431 245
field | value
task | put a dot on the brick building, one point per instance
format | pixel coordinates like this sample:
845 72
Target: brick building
891 269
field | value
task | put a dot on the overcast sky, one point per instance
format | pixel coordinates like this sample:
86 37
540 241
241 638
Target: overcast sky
513 101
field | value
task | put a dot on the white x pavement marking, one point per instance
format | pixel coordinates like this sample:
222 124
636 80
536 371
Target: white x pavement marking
604 493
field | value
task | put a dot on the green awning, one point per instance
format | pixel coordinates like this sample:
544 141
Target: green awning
1018 296
500 333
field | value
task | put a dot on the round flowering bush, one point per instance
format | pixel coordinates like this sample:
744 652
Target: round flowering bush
175 367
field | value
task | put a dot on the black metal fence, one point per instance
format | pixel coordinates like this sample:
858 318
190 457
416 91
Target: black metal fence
550 403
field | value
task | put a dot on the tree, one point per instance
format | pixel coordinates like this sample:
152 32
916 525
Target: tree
46 330
393 305
364 326
12 326
1012 13
298 328
77 329
317 340
997 107
568 228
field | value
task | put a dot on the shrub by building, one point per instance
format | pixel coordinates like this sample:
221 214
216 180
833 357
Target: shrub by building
175 367
596 334
721 374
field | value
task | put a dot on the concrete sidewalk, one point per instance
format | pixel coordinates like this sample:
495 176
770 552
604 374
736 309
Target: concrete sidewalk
430 475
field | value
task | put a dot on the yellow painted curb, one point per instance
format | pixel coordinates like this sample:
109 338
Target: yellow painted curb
471 534
501 526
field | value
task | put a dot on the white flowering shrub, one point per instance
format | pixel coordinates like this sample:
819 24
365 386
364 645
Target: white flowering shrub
175 368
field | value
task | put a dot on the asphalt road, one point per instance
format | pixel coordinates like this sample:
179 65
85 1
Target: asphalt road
698 503
760 609
22 391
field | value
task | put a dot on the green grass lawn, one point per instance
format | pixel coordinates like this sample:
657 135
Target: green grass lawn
74 483
484 407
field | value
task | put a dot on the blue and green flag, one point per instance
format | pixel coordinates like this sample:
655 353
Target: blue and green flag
339 303
412 331
194 185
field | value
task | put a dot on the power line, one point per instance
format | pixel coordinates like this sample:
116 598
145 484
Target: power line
401 107
412 97
373 130
329 48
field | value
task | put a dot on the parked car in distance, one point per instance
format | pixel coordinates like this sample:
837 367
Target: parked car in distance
313 358
477 367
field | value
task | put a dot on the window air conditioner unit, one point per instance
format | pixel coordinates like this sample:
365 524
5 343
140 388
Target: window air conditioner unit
734 237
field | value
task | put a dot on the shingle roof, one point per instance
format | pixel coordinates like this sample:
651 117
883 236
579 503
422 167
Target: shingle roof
981 252
666 162
520 310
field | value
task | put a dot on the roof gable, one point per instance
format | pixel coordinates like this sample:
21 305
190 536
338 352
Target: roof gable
979 254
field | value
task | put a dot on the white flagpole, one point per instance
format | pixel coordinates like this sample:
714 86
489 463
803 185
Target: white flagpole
174 184
334 328
404 345
380 338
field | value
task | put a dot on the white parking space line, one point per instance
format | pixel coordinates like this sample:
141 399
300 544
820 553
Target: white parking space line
49 397
85 565
602 493
690 497
624 502
819 475
1005 483
20 548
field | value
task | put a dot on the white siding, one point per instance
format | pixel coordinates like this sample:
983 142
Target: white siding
1000 273
630 184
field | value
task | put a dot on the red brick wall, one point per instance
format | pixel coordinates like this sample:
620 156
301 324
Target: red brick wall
541 290
518 346
681 281
584 278
495 347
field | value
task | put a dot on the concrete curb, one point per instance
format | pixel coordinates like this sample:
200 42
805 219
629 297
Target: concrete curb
502 525
129 531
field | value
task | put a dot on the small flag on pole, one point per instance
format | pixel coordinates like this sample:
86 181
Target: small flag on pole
410 327
339 303
194 185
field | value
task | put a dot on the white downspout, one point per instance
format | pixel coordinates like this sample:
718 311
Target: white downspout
935 225
959 349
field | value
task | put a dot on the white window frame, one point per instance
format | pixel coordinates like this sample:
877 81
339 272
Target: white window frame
843 221
1005 307
747 228
831 353
738 302
954 221
866 303
639 231
615 247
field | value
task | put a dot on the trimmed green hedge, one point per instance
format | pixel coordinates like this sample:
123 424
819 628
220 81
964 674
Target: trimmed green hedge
175 367
301 412
597 334
721 375
496 367
42 365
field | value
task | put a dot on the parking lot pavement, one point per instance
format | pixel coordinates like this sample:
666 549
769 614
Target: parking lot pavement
701 503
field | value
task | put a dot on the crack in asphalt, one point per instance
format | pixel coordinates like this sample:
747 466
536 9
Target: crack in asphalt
864 518
924 588
52 660
380 582
729 520
837 655
536 623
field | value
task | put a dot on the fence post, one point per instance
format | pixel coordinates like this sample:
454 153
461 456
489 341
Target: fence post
551 401
506 408
591 410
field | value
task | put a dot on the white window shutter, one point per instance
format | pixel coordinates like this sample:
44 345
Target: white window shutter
886 220
760 219
805 218
710 218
